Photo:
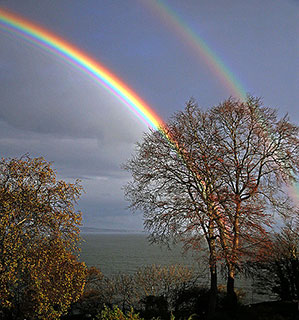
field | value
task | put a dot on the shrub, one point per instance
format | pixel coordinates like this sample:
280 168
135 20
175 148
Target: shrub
116 314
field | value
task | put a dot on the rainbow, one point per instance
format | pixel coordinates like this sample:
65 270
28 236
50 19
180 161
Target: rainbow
49 41
199 47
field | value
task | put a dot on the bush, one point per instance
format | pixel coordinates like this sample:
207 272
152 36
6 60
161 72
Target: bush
155 306
116 314
190 301
143 290
279 270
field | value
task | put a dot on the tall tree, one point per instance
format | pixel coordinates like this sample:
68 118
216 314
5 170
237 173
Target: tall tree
260 156
40 274
213 175
174 184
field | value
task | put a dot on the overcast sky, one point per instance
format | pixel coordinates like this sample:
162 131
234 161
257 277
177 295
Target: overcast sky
50 109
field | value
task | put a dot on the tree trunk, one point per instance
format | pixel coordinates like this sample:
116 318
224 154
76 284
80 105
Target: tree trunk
295 267
230 288
213 270
211 239
213 291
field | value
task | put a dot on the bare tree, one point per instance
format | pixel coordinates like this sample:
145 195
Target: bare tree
260 156
174 184
212 175
167 281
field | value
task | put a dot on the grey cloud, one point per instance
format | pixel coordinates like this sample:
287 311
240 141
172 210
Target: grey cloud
42 94
72 157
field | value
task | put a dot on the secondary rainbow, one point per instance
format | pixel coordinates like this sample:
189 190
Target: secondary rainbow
71 54
199 47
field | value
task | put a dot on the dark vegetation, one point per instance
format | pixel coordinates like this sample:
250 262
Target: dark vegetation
176 293
214 180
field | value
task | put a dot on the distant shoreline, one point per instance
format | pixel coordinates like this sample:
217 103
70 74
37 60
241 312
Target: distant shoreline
91 230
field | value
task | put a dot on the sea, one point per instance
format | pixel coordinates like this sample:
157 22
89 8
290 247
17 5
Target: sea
125 253
115 253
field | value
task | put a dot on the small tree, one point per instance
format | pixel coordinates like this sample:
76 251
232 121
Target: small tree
117 314
278 271
93 297
40 273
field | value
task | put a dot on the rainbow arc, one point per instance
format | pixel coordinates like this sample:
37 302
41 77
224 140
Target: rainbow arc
198 46
51 42
73 55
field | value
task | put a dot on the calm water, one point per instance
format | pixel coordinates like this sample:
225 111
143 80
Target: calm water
114 253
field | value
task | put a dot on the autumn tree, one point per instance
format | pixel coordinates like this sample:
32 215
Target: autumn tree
214 174
40 275
174 182
259 159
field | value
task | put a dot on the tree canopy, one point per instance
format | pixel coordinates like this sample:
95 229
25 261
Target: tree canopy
40 273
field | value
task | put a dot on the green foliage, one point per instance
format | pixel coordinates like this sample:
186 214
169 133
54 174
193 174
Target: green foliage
116 314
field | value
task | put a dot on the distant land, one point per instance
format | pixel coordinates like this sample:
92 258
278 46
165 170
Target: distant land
106 230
